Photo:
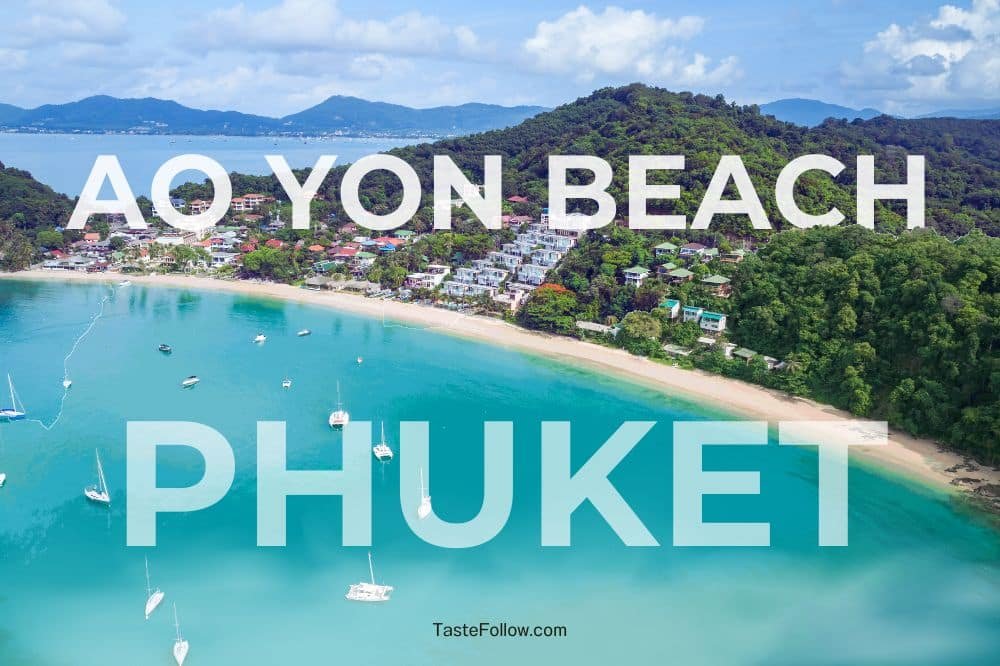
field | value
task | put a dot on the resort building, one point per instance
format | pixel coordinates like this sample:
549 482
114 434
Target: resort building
734 257
532 274
692 250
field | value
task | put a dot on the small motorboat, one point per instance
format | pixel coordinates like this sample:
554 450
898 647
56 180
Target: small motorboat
3 479
67 383
286 383
260 338
125 283
190 381
304 332
360 360
166 349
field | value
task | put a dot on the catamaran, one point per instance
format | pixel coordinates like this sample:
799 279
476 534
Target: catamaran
190 381
98 493
339 417
153 597
260 338
181 646
16 410
382 450
424 509
369 591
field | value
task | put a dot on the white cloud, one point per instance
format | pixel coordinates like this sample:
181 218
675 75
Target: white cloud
52 21
954 56
318 25
625 43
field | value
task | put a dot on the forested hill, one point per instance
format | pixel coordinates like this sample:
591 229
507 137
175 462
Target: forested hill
963 156
26 206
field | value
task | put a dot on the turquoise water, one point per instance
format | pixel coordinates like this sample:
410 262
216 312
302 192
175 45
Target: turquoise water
919 584
63 161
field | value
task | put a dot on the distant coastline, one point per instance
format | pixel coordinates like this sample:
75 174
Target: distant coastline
921 460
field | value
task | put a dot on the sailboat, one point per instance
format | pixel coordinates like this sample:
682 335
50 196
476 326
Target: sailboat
153 597
339 417
181 646
98 493
16 410
424 509
369 591
382 450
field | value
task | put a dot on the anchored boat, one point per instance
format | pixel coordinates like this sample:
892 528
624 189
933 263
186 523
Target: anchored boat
381 450
369 591
166 349
153 597
304 332
339 417
181 646
98 493
16 410
190 381
424 509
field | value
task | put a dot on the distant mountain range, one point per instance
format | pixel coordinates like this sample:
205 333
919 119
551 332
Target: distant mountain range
336 115
811 112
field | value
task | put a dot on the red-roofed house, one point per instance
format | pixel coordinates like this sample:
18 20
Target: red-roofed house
316 248
275 243
92 238
517 199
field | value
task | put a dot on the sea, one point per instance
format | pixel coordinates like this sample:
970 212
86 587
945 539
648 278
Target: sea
919 582
63 161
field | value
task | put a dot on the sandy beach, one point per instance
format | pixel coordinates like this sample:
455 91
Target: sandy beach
919 459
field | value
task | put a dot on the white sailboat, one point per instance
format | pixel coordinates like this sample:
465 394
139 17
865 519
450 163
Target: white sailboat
98 493
339 417
15 412
424 509
181 646
153 597
369 591
382 450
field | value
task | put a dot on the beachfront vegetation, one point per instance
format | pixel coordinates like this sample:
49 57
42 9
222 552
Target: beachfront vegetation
904 328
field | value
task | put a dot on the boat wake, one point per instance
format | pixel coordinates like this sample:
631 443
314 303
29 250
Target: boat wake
76 344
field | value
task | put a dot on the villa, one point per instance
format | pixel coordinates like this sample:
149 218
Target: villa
692 250
714 322
680 275
718 285
672 306
664 248
634 276
692 313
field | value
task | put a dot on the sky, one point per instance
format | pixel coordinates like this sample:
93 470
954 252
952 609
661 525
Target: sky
275 57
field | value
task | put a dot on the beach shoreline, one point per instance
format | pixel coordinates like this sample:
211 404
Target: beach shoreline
918 459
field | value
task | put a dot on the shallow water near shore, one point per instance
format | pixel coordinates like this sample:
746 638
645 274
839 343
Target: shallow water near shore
919 584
